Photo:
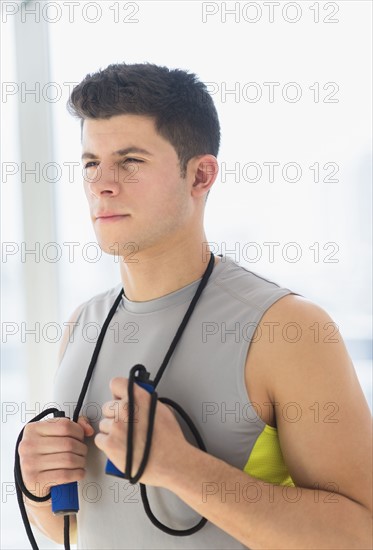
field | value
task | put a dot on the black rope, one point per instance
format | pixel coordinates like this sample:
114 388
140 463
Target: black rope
187 419
185 320
137 369
144 496
140 371
21 488
161 526
66 532
17 468
26 521
95 356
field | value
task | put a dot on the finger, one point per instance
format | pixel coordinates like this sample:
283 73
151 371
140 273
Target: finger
45 466
55 427
119 388
101 441
48 445
105 426
112 409
58 477
87 427
61 461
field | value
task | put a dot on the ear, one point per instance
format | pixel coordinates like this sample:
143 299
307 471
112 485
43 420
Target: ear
204 170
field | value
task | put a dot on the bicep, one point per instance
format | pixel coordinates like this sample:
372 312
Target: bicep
323 419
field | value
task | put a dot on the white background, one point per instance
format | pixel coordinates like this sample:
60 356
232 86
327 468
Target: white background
226 56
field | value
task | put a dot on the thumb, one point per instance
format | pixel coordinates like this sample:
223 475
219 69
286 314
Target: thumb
84 423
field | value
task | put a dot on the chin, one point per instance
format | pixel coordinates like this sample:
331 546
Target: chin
126 250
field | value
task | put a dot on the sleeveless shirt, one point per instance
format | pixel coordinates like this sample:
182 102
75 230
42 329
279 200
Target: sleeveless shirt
205 375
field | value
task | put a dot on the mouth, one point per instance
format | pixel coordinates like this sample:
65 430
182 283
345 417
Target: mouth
111 218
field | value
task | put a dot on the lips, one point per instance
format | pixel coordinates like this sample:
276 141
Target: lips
109 214
107 217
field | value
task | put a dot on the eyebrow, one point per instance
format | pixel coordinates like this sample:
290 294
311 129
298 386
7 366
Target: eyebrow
120 152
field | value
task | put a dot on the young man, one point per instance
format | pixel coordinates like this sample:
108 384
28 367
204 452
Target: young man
283 417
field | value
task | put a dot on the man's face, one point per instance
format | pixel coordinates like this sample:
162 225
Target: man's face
132 175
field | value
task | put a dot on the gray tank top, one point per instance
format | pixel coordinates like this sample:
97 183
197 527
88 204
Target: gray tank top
205 376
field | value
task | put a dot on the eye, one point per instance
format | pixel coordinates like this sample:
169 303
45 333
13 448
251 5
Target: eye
90 164
130 159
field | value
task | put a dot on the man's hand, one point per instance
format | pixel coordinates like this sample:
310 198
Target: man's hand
168 440
53 452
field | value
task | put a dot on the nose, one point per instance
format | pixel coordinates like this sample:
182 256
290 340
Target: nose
102 180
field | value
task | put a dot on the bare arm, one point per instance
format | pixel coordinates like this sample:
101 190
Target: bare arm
327 450
330 462
267 517
41 516
52 452
39 467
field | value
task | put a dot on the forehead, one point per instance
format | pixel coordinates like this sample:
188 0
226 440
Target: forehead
120 131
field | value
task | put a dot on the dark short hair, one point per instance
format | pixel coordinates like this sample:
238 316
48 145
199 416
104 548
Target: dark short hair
183 110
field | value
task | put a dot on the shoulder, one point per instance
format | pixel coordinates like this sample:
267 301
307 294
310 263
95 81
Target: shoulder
322 417
295 339
297 333
96 307
69 329
246 289
103 300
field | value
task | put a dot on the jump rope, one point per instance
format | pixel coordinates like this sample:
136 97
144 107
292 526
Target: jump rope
65 497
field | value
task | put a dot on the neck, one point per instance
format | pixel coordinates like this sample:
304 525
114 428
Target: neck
157 273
